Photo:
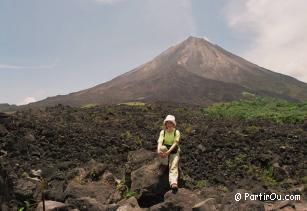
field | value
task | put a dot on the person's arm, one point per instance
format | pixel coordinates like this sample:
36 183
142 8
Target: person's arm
172 148
176 141
160 141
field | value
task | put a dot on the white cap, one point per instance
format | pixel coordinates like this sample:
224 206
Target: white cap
170 118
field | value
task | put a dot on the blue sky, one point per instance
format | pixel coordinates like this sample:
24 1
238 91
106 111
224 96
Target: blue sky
51 47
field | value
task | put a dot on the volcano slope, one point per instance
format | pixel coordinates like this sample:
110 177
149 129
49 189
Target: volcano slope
255 155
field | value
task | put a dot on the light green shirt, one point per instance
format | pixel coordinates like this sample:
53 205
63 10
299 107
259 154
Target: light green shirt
169 137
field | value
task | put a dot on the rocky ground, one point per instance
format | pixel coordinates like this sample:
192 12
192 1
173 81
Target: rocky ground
102 158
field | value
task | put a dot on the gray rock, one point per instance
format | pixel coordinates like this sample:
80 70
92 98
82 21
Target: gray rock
185 199
146 181
29 137
209 204
53 206
26 189
132 201
140 156
212 192
96 168
99 191
137 159
109 178
91 204
279 174
245 206
130 204
165 206
129 208
56 190
280 205
201 147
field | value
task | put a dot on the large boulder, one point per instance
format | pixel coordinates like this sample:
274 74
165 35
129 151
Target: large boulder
300 205
209 204
148 185
56 190
91 204
212 192
94 170
27 189
165 206
245 206
100 191
95 193
138 158
184 198
181 200
135 160
287 205
53 206
91 171
130 204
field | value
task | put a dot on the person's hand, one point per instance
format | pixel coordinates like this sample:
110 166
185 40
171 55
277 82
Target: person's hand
165 154
160 153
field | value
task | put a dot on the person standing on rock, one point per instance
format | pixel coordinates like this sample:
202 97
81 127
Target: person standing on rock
168 150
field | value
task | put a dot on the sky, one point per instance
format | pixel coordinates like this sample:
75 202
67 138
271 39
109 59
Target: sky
55 47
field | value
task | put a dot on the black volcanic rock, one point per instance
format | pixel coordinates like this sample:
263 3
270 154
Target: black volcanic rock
216 153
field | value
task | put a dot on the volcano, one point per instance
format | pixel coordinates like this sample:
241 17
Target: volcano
194 71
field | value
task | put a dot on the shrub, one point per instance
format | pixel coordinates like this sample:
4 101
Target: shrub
255 107
128 193
201 183
90 105
304 179
126 190
136 103
126 136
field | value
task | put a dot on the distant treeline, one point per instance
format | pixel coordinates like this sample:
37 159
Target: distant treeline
256 107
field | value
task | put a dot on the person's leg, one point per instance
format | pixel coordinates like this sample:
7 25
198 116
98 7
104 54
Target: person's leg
164 161
173 168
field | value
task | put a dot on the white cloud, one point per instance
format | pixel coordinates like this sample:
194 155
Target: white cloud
277 31
13 66
27 100
108 1
206 38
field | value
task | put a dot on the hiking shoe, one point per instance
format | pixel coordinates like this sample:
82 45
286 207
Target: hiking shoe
162 169
174 186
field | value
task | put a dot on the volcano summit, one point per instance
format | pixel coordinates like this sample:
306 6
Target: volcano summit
195 72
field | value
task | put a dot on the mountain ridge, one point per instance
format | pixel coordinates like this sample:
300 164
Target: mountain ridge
194 71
